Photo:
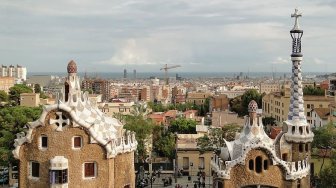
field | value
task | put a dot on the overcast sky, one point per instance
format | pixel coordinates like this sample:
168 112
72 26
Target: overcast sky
199 35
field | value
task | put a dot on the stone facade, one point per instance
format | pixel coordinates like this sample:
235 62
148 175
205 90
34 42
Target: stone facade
73 144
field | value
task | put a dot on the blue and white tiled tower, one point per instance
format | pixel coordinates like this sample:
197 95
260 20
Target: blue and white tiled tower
298 130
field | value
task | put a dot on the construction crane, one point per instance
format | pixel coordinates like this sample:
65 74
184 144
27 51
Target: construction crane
165 68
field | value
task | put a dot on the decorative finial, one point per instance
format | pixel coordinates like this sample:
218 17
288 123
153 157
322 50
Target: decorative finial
253 106
296 15
72 67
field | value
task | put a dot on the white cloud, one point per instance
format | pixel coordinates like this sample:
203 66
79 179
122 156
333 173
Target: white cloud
130 54
280 61
318 61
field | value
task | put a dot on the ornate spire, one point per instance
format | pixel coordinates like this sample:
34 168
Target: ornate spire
296 108
298 130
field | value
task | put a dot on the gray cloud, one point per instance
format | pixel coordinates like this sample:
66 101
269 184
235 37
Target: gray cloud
144 34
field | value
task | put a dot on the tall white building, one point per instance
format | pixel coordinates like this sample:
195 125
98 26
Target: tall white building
18 72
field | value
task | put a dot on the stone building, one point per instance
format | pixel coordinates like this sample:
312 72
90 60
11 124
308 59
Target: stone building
30 99
277 104
189 159
6 83
73 144
198 98
254 159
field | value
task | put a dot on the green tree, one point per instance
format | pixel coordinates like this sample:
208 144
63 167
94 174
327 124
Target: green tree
12 121
310 90
268 120
328 174
143 129
324 136
3 96
16 90
37 88
183 126
164 145
240 103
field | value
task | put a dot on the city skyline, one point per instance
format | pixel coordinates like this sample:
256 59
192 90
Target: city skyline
110 36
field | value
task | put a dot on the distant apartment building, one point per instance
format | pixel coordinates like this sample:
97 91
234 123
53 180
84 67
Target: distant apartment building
18 72
219 102
189 159
98 86
6 83
130 92
30 99
197 98
233 94
117 106
332 87
145 93
276 105
270 87
114 91
178 95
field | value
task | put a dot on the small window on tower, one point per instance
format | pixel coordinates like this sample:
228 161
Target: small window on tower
307 147
300 147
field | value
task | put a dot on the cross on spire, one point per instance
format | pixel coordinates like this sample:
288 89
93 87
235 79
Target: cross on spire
296 15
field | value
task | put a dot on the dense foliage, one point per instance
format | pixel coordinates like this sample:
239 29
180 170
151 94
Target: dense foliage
183 126
325 137
16 90
268 120
240 104
3 96
12 121
164 143
328 174
310 90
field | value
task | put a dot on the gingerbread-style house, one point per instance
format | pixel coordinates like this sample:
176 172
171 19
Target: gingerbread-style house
73 144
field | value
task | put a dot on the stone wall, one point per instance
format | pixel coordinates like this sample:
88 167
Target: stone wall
124 170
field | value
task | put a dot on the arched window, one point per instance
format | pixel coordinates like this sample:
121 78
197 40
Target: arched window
307 147
300 147
251 164
293 129
266 164
258 164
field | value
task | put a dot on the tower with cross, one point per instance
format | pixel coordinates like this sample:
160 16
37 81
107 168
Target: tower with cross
253 159
299 133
